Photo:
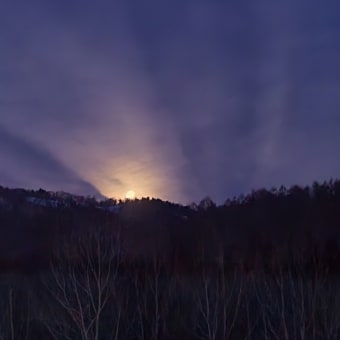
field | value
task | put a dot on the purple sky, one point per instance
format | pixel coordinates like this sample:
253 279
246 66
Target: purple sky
174 99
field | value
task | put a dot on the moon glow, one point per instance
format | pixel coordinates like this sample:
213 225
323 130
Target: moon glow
130 195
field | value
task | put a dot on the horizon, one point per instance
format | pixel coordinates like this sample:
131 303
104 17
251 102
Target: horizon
102 198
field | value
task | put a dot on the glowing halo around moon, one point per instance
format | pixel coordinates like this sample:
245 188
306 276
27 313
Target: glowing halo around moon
130 195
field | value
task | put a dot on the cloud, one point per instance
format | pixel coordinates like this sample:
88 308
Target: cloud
250 108
176 101
27 165
89 104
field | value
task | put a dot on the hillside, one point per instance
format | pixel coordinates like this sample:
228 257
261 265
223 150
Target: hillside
260 225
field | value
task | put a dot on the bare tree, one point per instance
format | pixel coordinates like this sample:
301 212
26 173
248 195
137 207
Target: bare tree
218 298
83 279
153 288
296 305
15 316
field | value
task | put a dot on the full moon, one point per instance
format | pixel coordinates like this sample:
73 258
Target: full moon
130 195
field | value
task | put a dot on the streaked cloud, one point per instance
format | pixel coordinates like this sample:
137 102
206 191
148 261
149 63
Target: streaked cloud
27 165
175 100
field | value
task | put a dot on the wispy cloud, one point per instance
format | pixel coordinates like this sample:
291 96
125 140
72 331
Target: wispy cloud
175 101
26 164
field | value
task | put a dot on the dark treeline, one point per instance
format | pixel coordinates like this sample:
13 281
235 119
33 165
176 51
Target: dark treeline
261 266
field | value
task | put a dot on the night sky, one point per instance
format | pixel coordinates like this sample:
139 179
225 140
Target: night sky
171 99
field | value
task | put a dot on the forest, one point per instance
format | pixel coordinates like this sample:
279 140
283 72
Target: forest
264 265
